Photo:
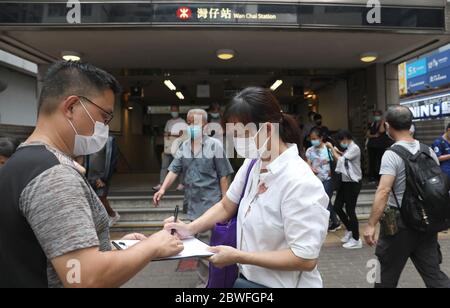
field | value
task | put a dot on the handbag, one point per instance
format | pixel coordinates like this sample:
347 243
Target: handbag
226 234
336 178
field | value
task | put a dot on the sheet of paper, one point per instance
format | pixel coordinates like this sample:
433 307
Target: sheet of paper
192 248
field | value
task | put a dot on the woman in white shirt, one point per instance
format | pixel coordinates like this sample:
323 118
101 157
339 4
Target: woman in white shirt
282 218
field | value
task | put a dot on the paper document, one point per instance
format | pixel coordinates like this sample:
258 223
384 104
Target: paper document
192 248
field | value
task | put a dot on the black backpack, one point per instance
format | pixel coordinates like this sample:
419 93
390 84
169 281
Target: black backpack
426 202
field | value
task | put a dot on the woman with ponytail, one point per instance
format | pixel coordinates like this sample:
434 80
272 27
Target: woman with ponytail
281 206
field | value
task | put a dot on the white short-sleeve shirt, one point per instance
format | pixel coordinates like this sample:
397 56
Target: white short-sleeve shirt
174 126
291 214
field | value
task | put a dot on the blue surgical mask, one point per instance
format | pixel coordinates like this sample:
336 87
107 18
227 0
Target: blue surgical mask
315 143
215 115
174 114
344 146
194 131
377 118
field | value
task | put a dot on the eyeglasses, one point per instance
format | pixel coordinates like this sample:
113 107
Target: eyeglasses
108 115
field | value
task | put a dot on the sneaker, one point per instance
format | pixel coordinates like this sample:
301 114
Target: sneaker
335 227
348 235
180 187
353 244
114 220
157 187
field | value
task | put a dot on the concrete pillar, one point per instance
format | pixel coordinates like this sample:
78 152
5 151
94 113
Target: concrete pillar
392 85
376 87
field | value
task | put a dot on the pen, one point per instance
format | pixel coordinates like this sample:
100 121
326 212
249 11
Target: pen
177 208
117 246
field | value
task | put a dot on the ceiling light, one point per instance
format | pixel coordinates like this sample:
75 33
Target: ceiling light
180 95
71 56
170 85
276 85
369 57
130 108
225 54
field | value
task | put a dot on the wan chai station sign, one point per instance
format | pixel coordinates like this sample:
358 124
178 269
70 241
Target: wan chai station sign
221 14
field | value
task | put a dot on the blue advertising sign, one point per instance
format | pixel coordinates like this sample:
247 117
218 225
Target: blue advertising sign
431 107
416 68
417 84
426 73
438 61
439 78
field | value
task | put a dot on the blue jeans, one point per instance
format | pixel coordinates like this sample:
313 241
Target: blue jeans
328 185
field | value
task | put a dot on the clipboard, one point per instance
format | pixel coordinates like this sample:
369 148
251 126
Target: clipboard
193 248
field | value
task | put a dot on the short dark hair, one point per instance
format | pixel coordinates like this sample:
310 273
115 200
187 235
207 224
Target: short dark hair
317 116
7 147
344 134
399 118
321 133
213 105
65 78
448 126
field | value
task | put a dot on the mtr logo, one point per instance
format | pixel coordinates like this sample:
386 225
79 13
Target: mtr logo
184 13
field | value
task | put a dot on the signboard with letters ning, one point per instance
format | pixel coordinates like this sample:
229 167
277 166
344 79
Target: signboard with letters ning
429 107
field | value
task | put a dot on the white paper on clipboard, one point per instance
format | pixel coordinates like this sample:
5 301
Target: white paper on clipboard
193 248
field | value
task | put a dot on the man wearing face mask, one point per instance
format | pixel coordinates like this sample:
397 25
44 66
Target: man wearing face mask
398 241
214 113
53 228
215 128
442 149
172 132
205 166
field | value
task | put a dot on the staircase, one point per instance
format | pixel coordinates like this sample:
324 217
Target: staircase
139 215
365 202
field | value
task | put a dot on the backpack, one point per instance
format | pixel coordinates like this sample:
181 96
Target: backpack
426 202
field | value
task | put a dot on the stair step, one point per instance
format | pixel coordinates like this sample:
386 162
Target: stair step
136 226
147 214
125 202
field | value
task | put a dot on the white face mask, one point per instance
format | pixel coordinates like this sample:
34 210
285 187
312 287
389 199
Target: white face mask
247 148
87 145
387 132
